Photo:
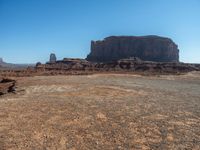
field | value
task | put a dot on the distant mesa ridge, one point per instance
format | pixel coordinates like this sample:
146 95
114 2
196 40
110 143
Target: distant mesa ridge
1 60
147 48
5 65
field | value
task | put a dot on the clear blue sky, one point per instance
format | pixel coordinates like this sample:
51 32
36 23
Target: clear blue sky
31 29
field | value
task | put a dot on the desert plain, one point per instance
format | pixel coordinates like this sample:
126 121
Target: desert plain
103 112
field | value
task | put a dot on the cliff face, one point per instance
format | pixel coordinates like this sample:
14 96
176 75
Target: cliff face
147 48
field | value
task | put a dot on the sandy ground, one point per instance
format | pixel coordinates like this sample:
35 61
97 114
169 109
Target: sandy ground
105 112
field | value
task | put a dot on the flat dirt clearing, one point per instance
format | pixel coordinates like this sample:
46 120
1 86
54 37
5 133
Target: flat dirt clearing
102 111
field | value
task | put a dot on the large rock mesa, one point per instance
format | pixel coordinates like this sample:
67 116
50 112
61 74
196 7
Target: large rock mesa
147 48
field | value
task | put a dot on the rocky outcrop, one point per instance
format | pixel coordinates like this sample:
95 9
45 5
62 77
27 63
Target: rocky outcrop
147 48
135 65
70 66
65 64
6 86
132 64
52 58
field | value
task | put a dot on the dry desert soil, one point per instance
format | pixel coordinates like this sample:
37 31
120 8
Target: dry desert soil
103 112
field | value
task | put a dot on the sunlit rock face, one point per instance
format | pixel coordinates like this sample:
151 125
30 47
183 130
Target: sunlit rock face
147 48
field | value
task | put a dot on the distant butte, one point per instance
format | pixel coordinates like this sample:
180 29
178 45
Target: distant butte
147 48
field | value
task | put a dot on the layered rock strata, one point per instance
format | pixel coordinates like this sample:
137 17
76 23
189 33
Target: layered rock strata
147 48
